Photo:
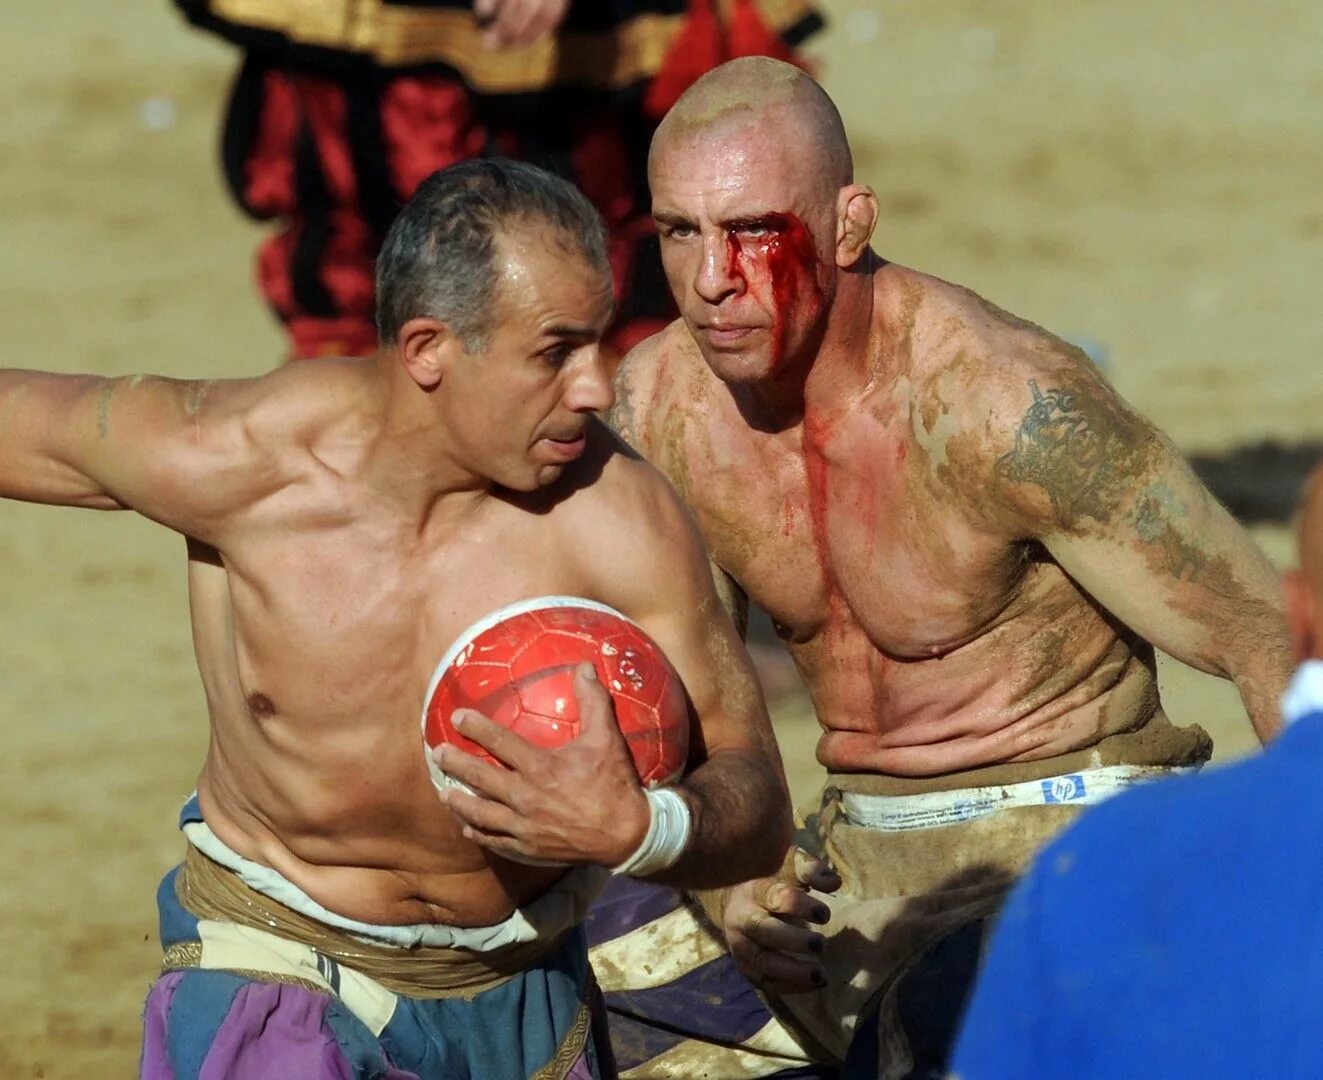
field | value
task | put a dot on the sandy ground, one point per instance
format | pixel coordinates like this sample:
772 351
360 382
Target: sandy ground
1140 177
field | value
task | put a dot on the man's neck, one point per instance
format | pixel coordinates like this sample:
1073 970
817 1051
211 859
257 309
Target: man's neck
410 458
845 362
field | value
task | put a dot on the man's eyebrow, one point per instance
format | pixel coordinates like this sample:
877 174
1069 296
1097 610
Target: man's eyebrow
569 332
669 217
765 219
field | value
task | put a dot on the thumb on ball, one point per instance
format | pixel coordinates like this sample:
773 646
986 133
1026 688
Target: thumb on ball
594 700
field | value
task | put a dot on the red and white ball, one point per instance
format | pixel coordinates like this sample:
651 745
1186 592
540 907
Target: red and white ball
516 666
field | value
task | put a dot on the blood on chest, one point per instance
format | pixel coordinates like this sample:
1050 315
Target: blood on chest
912 571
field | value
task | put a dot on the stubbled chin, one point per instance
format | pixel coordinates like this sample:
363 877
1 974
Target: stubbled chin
739 367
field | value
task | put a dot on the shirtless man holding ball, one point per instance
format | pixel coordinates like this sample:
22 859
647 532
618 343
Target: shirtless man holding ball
345 521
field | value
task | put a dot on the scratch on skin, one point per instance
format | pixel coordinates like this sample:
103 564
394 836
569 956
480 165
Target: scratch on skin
194 395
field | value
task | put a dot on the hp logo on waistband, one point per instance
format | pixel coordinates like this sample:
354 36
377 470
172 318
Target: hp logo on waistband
1063 789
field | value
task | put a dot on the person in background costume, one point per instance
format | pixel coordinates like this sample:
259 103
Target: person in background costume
341 108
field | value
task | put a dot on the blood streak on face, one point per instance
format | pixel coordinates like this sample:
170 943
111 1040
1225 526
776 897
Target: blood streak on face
786 260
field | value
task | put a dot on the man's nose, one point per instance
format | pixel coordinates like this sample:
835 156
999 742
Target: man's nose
590 388
718 273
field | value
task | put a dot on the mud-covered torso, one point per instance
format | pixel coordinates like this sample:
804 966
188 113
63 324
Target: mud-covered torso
930 640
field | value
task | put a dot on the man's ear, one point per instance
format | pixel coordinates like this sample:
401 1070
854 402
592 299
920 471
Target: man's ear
856 218
1300 617
428 348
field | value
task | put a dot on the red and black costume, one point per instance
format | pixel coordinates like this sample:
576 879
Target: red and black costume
342 107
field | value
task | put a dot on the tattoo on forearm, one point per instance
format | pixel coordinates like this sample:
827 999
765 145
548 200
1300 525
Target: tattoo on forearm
1157 510
103 408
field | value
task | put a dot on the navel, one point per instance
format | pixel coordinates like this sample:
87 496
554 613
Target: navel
260 707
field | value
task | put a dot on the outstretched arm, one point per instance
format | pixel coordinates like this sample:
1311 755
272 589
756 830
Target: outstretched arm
1124 515
149 444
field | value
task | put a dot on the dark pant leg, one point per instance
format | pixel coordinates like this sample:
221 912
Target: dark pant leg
930 1002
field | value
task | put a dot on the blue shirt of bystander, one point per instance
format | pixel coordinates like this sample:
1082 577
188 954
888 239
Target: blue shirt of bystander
1174 932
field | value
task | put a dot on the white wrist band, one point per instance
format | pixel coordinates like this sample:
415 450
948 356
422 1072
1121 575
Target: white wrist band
667 836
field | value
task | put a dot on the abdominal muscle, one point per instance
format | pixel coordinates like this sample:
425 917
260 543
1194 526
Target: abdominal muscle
330 787
382 850
1015 693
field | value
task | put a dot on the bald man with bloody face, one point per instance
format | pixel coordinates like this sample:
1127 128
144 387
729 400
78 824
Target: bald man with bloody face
968 542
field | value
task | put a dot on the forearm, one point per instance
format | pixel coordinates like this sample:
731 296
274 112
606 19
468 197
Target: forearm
741 822
712 902
1243 606
1262 673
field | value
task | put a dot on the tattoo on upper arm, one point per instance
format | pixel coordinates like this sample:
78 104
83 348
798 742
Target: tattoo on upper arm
1091 457
1080 448
103 408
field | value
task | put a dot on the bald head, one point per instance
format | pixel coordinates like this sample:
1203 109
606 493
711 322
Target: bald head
778 99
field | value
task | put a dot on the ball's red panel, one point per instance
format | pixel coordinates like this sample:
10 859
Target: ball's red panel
520 673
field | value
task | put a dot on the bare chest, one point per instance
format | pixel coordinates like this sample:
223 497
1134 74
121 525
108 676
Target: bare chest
347 626
846 528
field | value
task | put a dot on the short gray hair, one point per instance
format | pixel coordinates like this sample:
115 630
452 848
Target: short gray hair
437 258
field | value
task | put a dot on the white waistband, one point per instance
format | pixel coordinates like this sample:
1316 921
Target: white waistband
555 911
900 813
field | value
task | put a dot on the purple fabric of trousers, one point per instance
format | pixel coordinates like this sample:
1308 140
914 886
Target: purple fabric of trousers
580 1070
270 1031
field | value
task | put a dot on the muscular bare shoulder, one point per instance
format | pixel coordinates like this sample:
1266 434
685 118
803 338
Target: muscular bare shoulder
1016 420
300 412
631 526
243 441
669 405
653 375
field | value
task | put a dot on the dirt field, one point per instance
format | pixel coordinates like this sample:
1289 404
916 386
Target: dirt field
1141 177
